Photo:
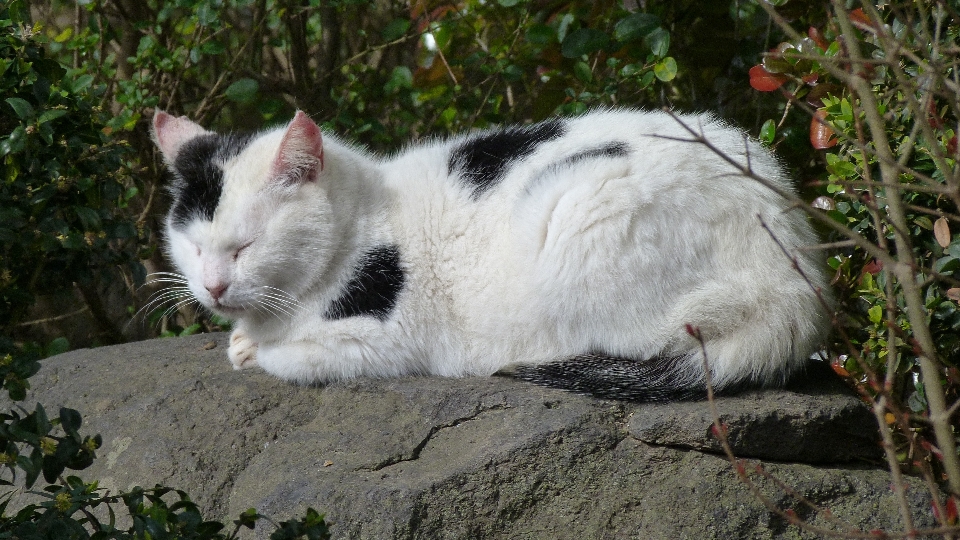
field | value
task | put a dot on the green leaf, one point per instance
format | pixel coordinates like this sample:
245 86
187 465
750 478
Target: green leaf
768 131
647 79
540 34
401 77
66 34
80 84
57 346
630 70
243 91
512 72
395 29
51 114
666 69
21 107
564 26
88 217
15 143
876 314
509 3
191 330
70 420
582 71
635 26
658 41
583 41
248 518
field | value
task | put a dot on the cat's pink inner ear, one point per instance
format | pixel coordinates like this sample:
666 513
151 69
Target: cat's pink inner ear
300 156
172 132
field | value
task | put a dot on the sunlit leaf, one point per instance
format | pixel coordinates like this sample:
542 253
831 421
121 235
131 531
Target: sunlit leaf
941 231
822 136
764 81
817 38
66 34
768 131
666 69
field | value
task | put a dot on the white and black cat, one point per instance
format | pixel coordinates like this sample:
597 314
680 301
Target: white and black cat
572 253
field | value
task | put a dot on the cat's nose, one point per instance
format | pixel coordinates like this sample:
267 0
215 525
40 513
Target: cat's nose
216 291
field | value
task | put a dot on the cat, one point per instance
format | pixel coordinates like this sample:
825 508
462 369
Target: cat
576 253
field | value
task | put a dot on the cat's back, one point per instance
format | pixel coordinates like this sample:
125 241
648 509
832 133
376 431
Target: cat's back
506 163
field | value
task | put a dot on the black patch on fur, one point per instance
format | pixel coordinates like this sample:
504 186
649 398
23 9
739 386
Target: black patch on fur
198 182
657 380
483 161
374 287
605 151
609 150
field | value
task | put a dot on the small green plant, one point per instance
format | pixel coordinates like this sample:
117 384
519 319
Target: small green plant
35 445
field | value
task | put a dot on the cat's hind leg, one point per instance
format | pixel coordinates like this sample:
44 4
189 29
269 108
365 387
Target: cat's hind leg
242 351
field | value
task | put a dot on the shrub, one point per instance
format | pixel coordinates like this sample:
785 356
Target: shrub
64 184
881 94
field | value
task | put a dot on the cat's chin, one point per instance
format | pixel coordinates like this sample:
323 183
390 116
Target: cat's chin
227 311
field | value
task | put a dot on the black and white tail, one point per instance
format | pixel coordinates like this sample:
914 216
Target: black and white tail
660 379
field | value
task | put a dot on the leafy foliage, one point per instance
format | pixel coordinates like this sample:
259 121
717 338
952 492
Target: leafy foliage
64 184
899 210
63 199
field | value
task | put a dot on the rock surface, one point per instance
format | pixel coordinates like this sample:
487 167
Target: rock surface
469 458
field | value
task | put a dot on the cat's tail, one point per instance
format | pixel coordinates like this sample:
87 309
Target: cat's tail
659 379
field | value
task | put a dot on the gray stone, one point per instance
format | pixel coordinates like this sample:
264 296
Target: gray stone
460 458
816 420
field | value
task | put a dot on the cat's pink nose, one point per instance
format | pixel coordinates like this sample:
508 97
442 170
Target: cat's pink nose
216 291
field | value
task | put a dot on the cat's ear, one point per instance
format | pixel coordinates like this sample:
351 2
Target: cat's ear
300 156
170 133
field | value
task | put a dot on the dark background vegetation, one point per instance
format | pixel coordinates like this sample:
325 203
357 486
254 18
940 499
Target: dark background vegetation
81 188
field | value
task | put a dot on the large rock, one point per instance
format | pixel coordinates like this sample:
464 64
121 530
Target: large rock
469 458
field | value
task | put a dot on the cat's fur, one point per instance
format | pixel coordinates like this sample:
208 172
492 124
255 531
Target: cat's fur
574 252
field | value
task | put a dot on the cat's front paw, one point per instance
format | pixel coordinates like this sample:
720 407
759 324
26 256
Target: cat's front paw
242 351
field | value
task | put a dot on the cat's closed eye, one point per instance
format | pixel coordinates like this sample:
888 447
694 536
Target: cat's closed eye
240 250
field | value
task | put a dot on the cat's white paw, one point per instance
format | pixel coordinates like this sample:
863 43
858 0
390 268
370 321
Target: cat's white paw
242 351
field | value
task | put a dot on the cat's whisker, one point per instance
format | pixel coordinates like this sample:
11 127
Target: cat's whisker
176 307
180 294
164 277
263 308
282 294
166 280
274 308
278 301
162 296
287 307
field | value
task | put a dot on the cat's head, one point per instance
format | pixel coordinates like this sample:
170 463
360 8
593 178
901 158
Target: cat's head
248 225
